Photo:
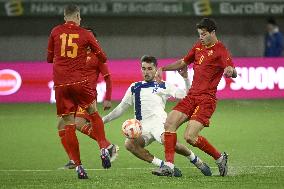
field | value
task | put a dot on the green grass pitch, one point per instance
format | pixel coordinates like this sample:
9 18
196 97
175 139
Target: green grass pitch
250 131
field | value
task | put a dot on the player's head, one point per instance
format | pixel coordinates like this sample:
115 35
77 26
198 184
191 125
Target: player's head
271 25
148 67
206 29
72 13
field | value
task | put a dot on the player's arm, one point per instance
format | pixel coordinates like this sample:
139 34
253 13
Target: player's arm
170 67
97 50
176 92
184 62
107 77
229 70
184 73
121 108
50 49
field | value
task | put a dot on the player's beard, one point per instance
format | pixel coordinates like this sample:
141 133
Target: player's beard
148 78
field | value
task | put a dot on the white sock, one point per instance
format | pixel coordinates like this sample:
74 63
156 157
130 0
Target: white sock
219 159
192 156
195 160
157 161
172 166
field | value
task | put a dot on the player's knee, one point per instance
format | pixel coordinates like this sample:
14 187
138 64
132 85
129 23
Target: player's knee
92 108
129 145
191 139
178 146
60 124
169 126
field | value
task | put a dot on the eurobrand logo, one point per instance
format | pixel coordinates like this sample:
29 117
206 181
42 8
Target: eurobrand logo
10 81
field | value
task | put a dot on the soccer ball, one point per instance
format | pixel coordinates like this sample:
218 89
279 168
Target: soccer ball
131 128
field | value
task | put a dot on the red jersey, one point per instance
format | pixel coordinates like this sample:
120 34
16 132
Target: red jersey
209 64
95 68
67 50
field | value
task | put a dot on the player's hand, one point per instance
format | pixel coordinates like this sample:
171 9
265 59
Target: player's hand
228 71
159 75
183 72
107 105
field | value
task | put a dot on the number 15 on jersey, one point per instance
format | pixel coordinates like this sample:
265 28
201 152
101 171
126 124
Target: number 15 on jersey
74 47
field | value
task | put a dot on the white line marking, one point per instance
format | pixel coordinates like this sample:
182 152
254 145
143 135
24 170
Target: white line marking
133 168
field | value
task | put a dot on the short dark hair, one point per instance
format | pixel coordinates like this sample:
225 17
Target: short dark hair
208 24
71 9
149 59
272 21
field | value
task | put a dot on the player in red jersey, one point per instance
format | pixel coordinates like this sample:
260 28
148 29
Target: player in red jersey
210 61
67 50
94 69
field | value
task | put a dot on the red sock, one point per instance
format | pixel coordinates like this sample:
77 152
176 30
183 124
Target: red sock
61 134
87 130
170 144
72 142
98 130
206 147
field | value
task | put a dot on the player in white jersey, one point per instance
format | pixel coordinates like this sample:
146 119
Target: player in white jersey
149 99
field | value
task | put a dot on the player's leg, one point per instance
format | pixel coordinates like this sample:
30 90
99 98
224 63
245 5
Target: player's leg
73 144
192 137
192 158
199 120
66 106
61 132
173 121
84 126
136 147
87 100
98 127
71 138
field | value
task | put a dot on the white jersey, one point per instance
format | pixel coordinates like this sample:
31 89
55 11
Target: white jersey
147 98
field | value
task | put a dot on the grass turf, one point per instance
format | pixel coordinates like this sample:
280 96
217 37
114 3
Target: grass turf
250 131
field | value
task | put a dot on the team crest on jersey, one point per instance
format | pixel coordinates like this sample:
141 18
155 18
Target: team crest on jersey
210 52
156 87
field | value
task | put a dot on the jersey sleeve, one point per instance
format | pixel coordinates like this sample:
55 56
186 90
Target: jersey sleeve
105 73
50 49
116 112
226 59
128 97
125 103
104 69
97 50
189 58
174 91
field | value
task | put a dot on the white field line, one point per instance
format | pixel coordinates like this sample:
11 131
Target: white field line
133 168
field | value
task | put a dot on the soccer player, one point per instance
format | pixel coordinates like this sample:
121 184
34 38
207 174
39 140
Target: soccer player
94 69
149 99
211 59
67 50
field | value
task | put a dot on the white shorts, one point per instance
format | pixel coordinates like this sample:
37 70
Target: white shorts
153 128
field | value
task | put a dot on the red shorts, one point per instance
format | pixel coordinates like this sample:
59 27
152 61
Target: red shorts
69 97
81 112
197 108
